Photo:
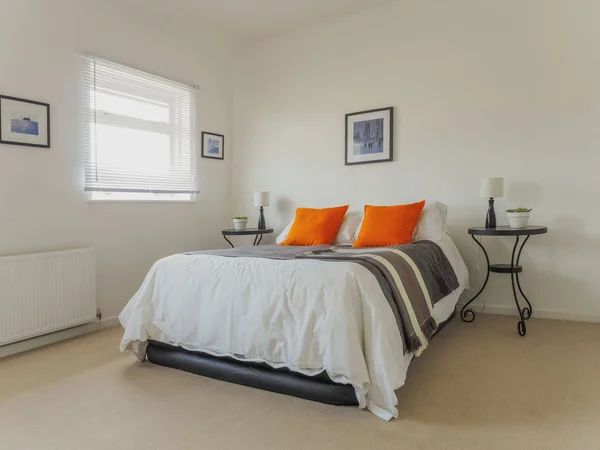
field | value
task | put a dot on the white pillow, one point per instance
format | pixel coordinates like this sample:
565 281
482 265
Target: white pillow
345 234
431 224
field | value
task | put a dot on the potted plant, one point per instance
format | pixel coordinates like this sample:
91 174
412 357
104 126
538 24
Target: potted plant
518 217
239 222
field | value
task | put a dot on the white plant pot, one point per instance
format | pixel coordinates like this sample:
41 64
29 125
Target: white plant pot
240 224
518 220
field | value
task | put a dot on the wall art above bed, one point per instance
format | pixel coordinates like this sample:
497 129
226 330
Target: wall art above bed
369 136
24 122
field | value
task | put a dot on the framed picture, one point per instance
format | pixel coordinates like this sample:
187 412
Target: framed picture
213 145
369 136
24 122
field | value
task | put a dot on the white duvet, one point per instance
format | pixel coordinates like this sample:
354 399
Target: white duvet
307 315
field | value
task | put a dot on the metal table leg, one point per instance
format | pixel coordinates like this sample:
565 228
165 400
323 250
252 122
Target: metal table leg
528 310
228 241
521 327
468 315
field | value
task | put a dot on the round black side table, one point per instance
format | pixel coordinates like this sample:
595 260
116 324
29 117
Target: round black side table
513 268
256 232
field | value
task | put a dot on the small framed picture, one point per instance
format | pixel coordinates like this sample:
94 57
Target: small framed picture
369 136
213 145
24 122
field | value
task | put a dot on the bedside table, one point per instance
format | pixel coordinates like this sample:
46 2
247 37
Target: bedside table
514 269
256 232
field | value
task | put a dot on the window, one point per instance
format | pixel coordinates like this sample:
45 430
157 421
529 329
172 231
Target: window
139 135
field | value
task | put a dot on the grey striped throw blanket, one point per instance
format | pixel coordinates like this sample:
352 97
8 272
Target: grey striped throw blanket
413 278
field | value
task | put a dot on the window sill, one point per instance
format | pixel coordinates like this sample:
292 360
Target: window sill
92 200
121 197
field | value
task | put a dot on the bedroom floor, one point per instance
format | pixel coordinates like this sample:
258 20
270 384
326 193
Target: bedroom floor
478 386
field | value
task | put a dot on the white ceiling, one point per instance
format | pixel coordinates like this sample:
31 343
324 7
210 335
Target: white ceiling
246 18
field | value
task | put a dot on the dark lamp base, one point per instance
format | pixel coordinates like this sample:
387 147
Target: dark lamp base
490 218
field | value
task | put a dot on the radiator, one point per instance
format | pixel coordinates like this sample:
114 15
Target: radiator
46 292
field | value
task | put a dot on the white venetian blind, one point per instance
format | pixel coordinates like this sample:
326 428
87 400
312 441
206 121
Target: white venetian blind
139 131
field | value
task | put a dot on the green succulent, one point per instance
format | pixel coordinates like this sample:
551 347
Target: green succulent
518 210
240 217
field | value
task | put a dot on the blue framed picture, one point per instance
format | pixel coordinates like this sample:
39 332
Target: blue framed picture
213 145
369 136
24 122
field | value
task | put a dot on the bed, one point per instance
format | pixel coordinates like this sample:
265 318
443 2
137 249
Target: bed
310 322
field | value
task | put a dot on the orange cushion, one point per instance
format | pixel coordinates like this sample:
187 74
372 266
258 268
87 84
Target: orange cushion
384 226
315 226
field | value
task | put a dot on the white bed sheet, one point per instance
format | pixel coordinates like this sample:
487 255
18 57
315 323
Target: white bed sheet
444 308
306 315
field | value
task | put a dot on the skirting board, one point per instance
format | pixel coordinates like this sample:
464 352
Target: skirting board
555 314
52 338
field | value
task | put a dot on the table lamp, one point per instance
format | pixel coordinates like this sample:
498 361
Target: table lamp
261 199
491 188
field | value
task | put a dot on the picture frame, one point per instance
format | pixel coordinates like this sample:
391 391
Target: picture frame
24 122
213 145
369 136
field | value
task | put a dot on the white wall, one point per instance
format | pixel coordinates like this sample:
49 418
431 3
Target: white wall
480 88
42 203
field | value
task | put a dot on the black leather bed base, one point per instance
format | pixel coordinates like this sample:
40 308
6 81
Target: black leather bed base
259 375
318 388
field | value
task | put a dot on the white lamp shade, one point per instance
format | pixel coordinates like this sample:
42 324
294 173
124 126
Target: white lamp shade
261 198
492 187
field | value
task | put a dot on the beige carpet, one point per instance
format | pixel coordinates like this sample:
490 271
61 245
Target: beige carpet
479 386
